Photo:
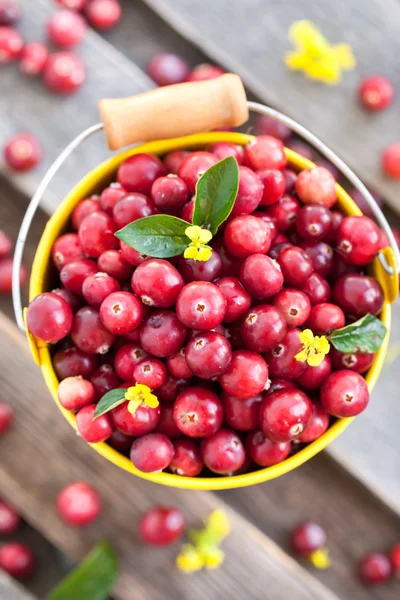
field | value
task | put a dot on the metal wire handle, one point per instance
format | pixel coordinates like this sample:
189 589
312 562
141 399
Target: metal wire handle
253 106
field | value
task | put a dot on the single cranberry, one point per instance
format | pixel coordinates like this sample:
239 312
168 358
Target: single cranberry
126 358
6 417
73 274
177 365
376 92
187 459
113 263
17 560
110 196
104 380
33 60
358 295
313 377
274 186
276 385
241 414
11 44
121 312
161 525
22 152
263 327
78 504
200 305
169 193
301 148
66 28
307 537
265 152
141 422
194 166
250 192
284 415
166 424
6 269
120 441
267 125
284 211
204 72
224 149
97 287
246 376
198 412
174 159
355 362
281 360
391 161
293 305
290 179
150 372
318 425
93 431
208 354
358 240
166 68
270 221
72 362
171 388
157 283
336 218
5 244
10 12
187 211
132 207
83 209
375 568
261 276
395 559
88 332
64 72
152 452
75 392
96 234
316 186
66 249
195 270
321 254
9 519
263 451
103 14
317 289
132 256
49 317
162 334
325 318
139 172
313 222
344 394
296 266
246 235
237 299
223 452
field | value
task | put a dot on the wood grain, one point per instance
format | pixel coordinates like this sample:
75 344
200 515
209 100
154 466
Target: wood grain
10 590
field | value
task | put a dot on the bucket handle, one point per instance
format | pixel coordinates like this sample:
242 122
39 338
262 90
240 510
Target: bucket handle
111 112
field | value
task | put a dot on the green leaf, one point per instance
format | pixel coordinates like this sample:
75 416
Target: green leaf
216 193
161 236
110 400
92 579
365 335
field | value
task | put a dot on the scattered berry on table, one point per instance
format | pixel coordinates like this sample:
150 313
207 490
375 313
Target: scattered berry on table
22 152
376 92
64 72
9 519
33 60
78 504
11 44
391 161
17 560
204 72
66 28
103 14
161 525
375 568
394 556
166 68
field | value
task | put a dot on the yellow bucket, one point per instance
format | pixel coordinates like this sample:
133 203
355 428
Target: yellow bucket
41 281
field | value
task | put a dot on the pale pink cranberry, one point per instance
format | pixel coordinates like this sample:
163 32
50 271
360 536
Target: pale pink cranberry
265 452
187 459
162 334
376 92
22 152
294 305
174 159
141 422
110 196
103 14
265 152
75 392
223 452
274 184
166 68
121 312
126 358
17 560
97 287
11 44
49 317
6 417
96 234
246 235
261 276
5 244
113 263
138 173
66 249
10 12
66 28
34 57
358 240
132 207
344 394
224 149
198 412
150 372
241 414
73 274
246 375
9 519
152 452
78 504
6 268
318 425
89 333
317 186
237 299
64 72
249 193
83 209
93 430
284 415
204 72
194 166
157 283
200 305
161 525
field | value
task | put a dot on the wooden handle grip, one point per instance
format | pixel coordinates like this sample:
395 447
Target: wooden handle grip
174 111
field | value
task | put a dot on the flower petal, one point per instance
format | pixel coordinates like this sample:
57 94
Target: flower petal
205 236
204 254
189 560
133 406
193 232
214 558
306 336
217 525
151 400
322 344
315 359
302 356
190 252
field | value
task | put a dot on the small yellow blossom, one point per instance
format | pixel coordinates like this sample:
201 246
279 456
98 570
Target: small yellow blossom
320 558
189 559
315 56
140 394
314 348
213 558
198 249
218 526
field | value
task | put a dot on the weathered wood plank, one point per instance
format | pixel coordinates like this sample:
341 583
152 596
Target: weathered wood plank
250 38
42 453
10 590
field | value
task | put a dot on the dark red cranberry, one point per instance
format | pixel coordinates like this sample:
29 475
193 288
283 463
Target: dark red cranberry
17 560
120 441
88 332
110 196
166 424
356 362
171 388
395 559
169 193
281 360
223 452
78 504
73 274
358 240
187 459
104 380
187 211
49 317
318 425
301 148
113 263
204 72
150 372
11 44
208 354
307 537
195 165
276 385
224 149
313 377
293 305
344 394
284 211
161 525
265 152
66 28
200 305
267 125
284 415
296 266
75 392
141 422
340 267
121 312
132 207
316 186
317 289
33 60
166 68
195 270
96 234
238 300
66 249
274 186
126 358
83 209
198 412
138 173
246 376
375 568
325 318
9 519
72 362
358 295
261 276
22 152
93 431
241 414
157 283
97 287
152 452
336 219
278 248
263 327
249 193
322 162
321 254
177 365
103 14
10 12
247 235
313 222
6 417
290 179
64 72
162 334
173 160
263 451
376 92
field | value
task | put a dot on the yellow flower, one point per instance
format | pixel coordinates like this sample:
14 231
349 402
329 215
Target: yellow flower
315 56
189 559
198 249
217 525
213 558
314 348
138 394
320 558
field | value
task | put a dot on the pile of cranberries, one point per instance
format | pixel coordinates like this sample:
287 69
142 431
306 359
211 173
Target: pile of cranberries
215 341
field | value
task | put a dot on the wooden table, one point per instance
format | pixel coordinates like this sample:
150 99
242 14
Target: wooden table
353 489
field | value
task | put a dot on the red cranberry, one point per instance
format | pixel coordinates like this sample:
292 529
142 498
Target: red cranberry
224 149
11 44
313 377
121 312
356 362
265 152
33 60
358 240
296 266
321 254
187 459
270 221
200 305
104 380
97 287
284 211
73 274
75 392
132 207
49 317
376 92
358 295
66 28
138 173
313 222
103 14
325 318
64 72
344 394
88 332
177 365
166 424
263 451
281 360
261 276
162 334
166 68
152 452
10 12
284 415
198 412
132 256
395 559
169 193
208 354
250 192
223 452
274 186
307 537
174 159
66 249
187 211
375 568
17 560
119 441
157 283
194 166
246 376
96 234
316 186
6 268
293 305
83 209
391 161
317 289
318 425
110 196
72 362
22 152
247 235
113 263
196 270
161 525
9 519
290 179
204 72
150 372
143 421
267 125
6 417
241 414
78 504
93 431
126 358
238 300
263 327
5 244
